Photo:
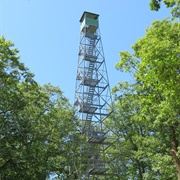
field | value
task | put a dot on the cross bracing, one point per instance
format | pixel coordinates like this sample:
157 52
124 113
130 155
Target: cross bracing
93 101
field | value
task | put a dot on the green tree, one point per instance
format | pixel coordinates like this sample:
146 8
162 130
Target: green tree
152 103
132 161
37 135
155 5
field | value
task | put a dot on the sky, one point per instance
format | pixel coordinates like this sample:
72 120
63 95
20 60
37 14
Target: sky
47 34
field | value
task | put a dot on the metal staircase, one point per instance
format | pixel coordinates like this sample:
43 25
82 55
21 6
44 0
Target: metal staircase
93 100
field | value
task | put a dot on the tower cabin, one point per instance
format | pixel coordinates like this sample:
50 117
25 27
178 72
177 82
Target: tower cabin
89 21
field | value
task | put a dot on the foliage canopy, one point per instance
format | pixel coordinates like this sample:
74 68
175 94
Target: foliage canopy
147 111
37 135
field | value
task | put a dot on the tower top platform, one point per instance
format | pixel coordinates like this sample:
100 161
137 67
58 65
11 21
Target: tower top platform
88 15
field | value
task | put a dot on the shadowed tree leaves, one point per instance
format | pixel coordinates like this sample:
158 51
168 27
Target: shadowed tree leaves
155 5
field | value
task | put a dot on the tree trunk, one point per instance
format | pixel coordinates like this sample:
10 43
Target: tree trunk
177 162
174 151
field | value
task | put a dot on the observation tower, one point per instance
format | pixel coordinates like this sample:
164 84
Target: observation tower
93 101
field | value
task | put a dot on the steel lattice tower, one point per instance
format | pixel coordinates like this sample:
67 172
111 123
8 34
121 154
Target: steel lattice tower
93 99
